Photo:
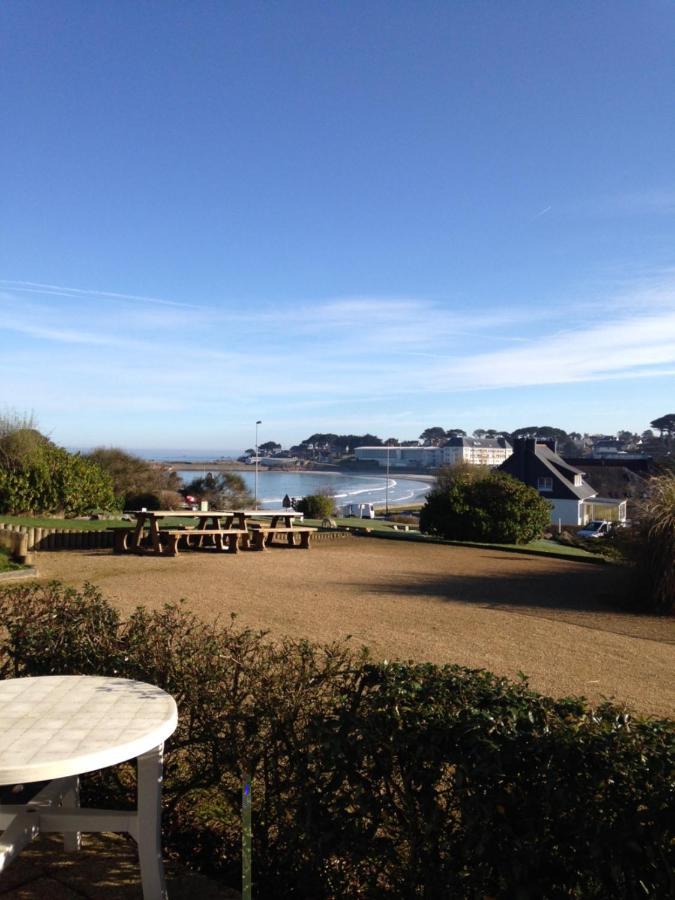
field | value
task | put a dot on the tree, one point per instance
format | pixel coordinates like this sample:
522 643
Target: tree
391 442
540 431
479 432
433 436
665 425
135 480
455 432
627 437
269 447
320 441
471 505
566 443
349 441
226 490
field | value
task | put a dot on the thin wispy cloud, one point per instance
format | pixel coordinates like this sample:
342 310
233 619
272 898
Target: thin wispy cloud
636 345
359 353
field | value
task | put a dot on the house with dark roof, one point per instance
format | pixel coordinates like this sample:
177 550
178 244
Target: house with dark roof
573 500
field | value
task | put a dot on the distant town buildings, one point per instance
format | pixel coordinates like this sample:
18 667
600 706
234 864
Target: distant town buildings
400 457
475 451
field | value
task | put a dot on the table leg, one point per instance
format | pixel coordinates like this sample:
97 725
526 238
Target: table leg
138 533
71 800
24 828
149 824
154 536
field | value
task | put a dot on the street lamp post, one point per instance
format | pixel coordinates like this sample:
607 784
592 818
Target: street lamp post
386 489
258 422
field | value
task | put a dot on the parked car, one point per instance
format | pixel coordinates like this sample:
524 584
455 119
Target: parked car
598 528
362 510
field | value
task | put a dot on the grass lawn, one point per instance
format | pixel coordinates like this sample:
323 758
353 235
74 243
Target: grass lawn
382 528
75 524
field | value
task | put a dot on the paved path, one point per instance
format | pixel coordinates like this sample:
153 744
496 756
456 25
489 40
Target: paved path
105 869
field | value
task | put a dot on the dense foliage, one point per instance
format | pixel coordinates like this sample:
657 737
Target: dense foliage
316 506
137 482
224 490
470 504
369 780
650 544
36 476
665 425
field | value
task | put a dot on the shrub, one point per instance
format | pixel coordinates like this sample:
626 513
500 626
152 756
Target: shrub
316 506
133 476
171 500
36 476
138 501
471 505
651 547
369 780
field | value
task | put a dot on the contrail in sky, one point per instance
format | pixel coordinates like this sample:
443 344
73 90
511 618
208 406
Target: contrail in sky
33 287
542 212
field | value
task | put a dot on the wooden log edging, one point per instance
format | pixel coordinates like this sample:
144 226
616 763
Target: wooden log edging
16 545
330 536
37 538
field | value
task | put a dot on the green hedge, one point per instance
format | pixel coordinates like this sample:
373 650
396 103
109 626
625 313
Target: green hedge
316 506
369 780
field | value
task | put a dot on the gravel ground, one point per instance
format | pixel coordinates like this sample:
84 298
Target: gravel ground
549 618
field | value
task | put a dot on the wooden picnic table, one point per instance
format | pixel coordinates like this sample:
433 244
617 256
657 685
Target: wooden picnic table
222 529
219 528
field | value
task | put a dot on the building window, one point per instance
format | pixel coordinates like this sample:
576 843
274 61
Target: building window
544 484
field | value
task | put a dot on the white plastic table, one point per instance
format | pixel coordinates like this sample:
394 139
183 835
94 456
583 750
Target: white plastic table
57 727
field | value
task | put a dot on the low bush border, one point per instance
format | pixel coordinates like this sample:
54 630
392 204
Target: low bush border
370 780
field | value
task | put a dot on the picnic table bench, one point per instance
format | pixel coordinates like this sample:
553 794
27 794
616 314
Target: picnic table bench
222 530
221 538
263 535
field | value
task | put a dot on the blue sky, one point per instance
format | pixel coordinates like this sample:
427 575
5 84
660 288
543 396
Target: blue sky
355 216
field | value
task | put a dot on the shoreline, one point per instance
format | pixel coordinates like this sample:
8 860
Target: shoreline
379 505
234 466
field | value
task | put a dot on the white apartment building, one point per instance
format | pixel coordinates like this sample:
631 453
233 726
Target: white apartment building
476 451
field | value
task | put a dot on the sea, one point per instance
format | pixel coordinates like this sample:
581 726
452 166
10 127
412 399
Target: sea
272 486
